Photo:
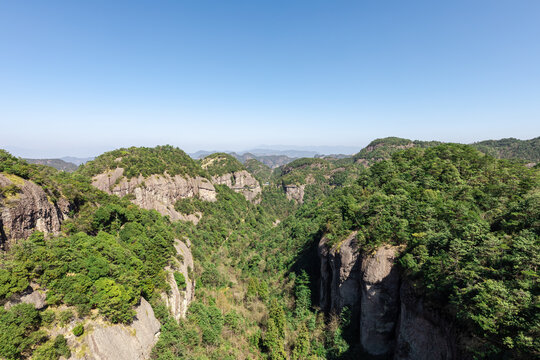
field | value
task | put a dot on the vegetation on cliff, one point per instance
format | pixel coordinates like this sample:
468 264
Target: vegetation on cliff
144 161
219 164
470 225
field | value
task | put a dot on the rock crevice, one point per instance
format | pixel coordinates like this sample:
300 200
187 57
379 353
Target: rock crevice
392 321
26 210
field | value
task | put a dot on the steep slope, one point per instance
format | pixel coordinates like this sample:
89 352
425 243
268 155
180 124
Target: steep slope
308 178
260 171
25 207
463 223
153 178
226 170
528 150
78 288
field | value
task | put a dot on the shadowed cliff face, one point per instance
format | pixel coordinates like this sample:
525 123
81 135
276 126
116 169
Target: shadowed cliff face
26 209
390 318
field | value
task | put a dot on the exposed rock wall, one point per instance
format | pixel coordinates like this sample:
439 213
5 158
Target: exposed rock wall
159 192
379 302
118 342
422 333
295 192
340 276
392 320
241 182
26 210
178 300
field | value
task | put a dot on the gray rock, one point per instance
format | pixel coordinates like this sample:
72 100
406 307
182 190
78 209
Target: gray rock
178 300
32 295
158 192
393 321
379 301
340 276
295 192
27 211
121 342
422 333
241 182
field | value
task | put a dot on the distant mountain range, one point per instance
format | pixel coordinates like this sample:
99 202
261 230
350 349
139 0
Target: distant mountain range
276 156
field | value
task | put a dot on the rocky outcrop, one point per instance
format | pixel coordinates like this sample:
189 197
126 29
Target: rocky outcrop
423 333
340 275
295 192
159 192
241 182
32 295
178 299
102 341
26 209
379 300
392 321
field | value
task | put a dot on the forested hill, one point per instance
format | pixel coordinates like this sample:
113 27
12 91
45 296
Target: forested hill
221 163
277 279
144 161
526 150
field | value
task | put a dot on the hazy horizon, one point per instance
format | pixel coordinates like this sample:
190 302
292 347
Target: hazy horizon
319 149
81 78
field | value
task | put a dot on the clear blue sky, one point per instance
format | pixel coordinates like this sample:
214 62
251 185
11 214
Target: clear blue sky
81 77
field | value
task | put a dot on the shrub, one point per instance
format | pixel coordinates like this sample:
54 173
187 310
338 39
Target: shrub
78 330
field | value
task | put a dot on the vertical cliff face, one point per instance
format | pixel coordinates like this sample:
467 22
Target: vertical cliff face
26 208
179 298
103 341
392 321
158 192
295 192
241 182
379 300
340 276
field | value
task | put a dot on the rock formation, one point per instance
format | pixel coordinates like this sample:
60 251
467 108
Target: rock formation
392 320
27 209
241 182
159 192
102 341
295 192
32 295
178 300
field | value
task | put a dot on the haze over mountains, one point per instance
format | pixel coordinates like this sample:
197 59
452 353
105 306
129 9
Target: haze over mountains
425 250
276 156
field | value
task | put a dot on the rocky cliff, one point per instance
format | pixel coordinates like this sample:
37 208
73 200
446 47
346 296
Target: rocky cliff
390 317
26 208
159 192
295 192
241 182
179 298
103 341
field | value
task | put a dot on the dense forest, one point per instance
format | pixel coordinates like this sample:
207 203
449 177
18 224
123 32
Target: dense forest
468 225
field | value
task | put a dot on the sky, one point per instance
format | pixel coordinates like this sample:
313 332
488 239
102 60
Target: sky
82 77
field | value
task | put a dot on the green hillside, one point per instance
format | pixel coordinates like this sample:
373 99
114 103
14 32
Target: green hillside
528 150
144 161
221 163
259 170
469 224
